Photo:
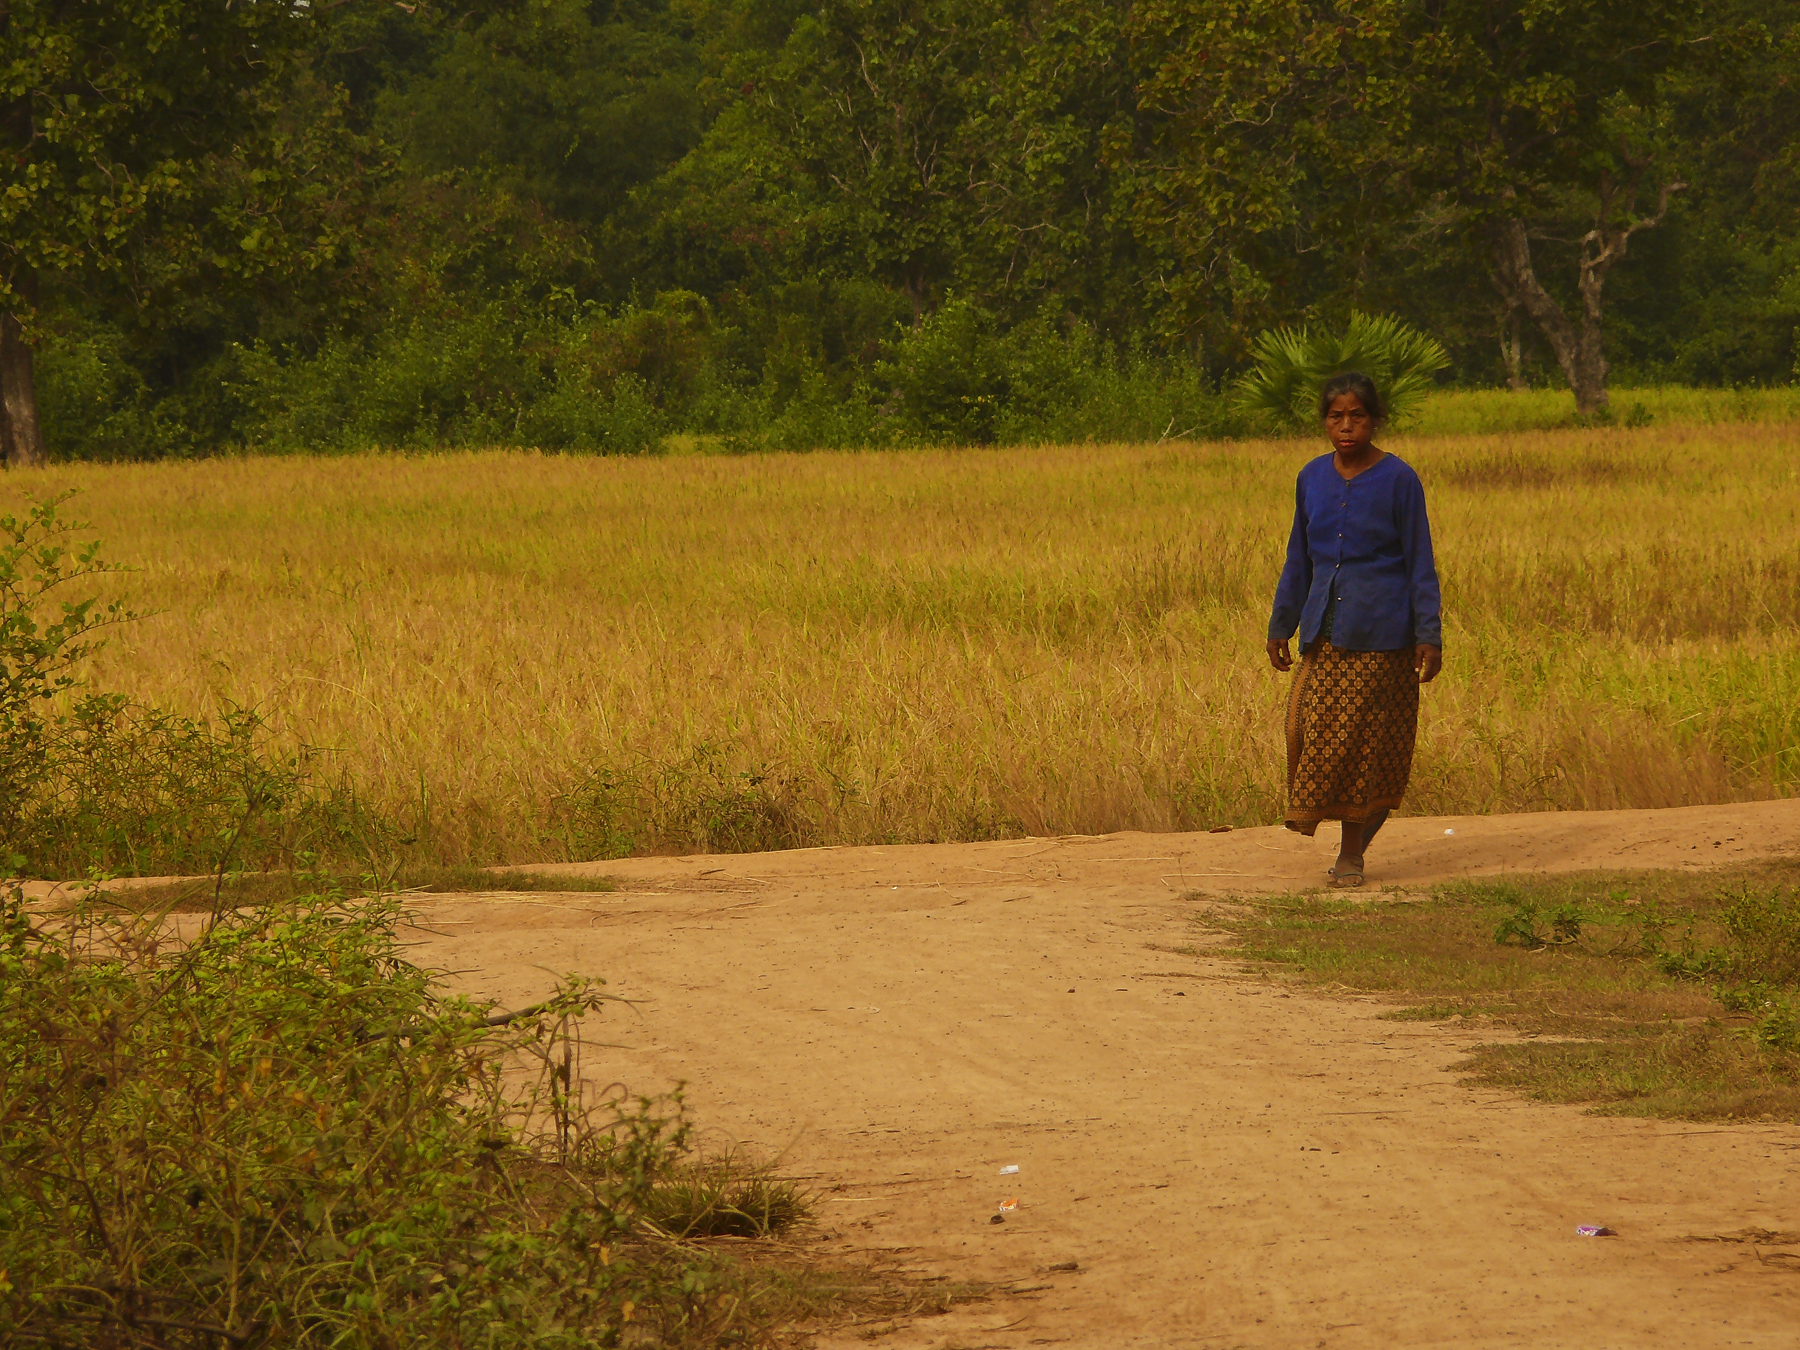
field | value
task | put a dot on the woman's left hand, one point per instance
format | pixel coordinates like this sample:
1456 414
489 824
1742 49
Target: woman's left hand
1428 661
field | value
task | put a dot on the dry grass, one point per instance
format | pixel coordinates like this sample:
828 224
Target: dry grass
205 895
523 658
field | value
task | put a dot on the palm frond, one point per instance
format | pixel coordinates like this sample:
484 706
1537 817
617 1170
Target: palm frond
1289 366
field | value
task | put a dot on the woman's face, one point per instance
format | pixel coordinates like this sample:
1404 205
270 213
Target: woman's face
1348 425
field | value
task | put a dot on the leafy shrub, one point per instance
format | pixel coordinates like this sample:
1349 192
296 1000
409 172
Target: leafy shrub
815 366
1069 385
44 635
621 420
510 372
949 376
128 789
455 378
819 413
958 378
1291 365
278 1134
1764 932
94 403
1779 1028
1520 928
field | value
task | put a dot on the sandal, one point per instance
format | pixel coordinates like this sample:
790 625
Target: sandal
1348 880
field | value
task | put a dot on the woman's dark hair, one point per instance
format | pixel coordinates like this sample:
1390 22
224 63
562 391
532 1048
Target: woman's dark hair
1353 382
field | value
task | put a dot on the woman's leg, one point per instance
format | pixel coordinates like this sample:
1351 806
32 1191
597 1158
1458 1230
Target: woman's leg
1357 836
1348 871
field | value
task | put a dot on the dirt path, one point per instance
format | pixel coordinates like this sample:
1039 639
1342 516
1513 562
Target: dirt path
1228 1165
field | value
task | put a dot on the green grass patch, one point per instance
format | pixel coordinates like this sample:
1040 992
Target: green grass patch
1652 993
1485 412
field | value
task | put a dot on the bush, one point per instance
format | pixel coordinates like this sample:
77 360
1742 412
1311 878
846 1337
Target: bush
44 636
455 378
508 373
959 379
949 376
814 366
272 1130
127 789
1291 365
1761 932
93 401
622 420
1068 385
279 1135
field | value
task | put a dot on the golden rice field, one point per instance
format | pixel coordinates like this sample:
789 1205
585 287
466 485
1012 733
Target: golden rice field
524 657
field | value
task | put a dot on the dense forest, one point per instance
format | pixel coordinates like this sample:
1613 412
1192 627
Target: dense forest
591 223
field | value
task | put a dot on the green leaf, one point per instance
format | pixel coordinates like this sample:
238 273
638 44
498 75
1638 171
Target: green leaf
1290 366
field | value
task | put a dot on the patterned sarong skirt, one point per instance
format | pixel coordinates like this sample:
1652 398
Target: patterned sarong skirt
1351 720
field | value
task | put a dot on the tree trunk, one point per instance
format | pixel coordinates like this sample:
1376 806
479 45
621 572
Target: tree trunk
21 440
20 435
1579 350
1512 351
1580 347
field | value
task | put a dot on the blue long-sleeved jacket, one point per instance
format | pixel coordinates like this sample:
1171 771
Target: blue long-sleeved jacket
1366 541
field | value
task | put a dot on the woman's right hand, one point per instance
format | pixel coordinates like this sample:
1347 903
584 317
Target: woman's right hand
1278 654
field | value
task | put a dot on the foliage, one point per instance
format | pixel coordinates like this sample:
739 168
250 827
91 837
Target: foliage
1520 928
40 651
1754 962
128 788
278 1133
1760 932
114 116
1291 366
1481 129
871 221
158 152
1262 133
566 103
470 379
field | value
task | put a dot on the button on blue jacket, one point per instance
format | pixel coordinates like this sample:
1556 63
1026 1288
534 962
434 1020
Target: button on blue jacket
1367 542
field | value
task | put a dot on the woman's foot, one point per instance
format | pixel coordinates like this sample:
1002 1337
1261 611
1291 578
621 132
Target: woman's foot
1348 874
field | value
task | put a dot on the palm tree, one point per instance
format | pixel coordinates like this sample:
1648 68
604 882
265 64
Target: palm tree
1291 365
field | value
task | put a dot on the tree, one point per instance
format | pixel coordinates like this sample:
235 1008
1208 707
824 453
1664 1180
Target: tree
570 102
1554 131
1510 124
114 119
934 145
1261 148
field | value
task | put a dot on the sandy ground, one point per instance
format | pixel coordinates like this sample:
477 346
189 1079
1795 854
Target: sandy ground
1225 1164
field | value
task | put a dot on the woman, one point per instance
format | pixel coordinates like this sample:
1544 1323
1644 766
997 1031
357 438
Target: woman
1362 590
